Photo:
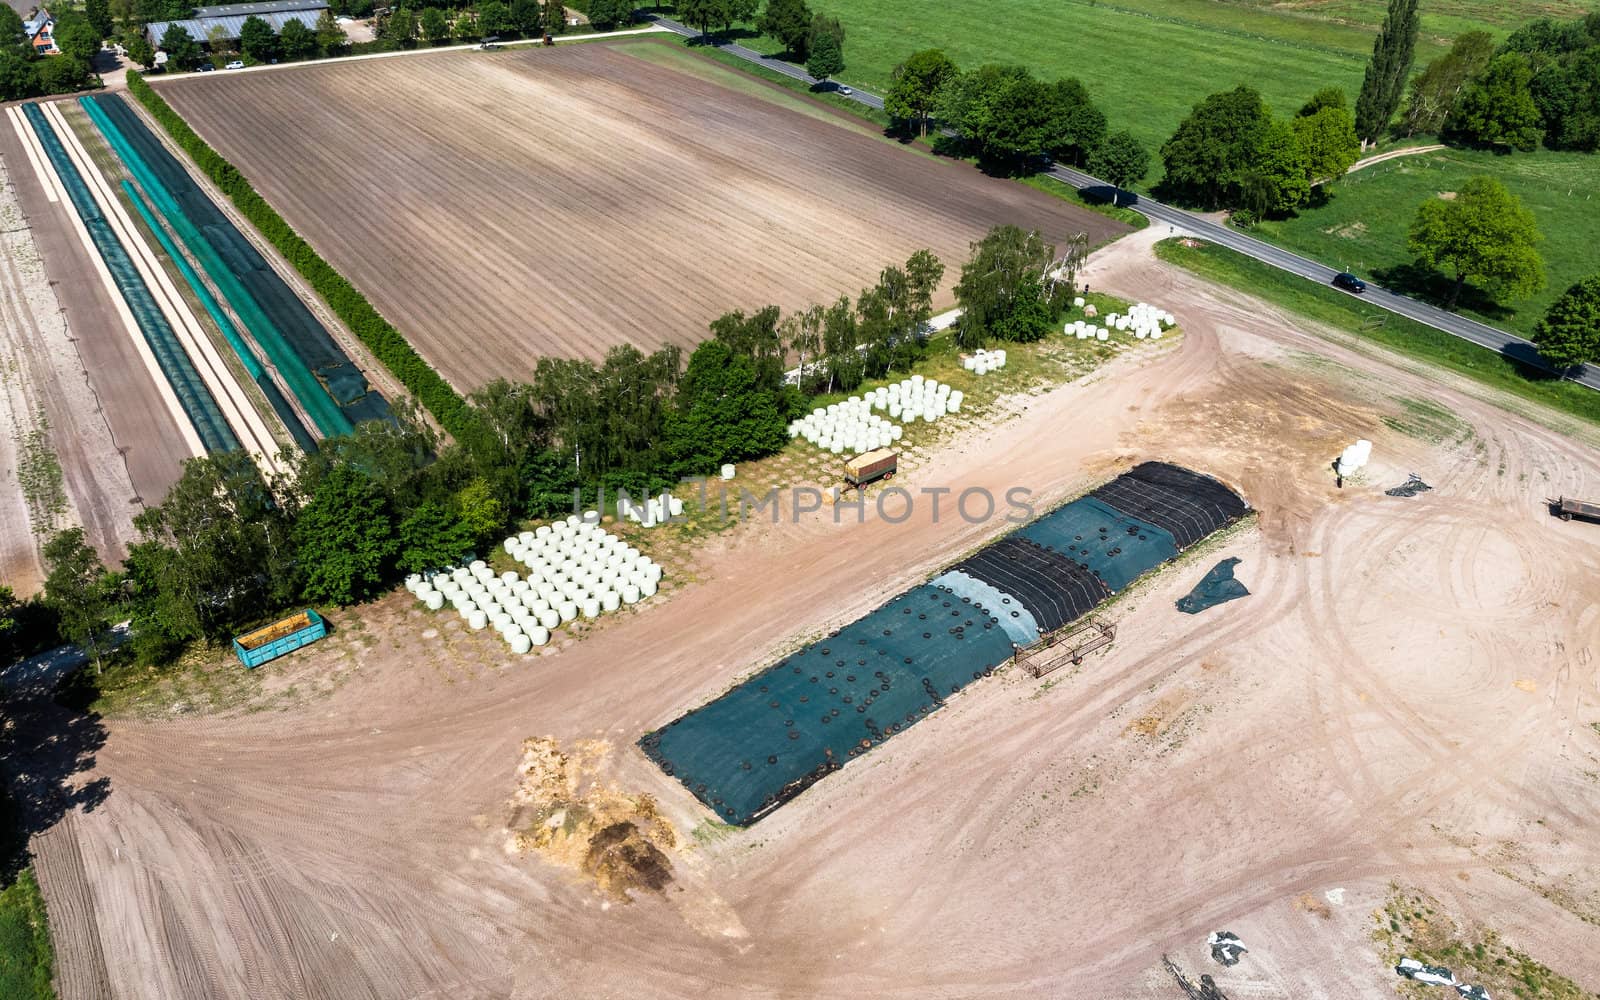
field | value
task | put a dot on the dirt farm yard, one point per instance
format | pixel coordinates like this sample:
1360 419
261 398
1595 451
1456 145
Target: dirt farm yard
1407 699
501 206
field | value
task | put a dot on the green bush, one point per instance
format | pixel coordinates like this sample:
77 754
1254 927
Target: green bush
378 334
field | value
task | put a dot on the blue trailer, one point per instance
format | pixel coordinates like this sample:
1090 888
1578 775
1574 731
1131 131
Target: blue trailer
284 636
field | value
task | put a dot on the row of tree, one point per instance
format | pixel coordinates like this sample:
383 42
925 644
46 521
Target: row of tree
1231 152
24 73
403 26
1541 84
227 546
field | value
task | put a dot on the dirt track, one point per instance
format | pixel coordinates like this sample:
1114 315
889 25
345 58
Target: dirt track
581 197
1406 696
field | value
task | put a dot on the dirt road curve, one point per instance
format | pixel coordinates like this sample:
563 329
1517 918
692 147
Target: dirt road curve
1406 696
493 229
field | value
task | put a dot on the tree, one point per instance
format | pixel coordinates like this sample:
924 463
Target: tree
1213 149
12 37
182 51
723 412
62 74
17 77
1277 179
400 28
80 590
825 55
1569 333
730 11
76 37
1001 291
1074 126
528 16
754 337
432 537
1483 235
346 538
1498 110
1434 91
607 14
1328 142
141 51
915 83
701 14
295 40
802 335
98 13
1327 97
555 17
330 37
435 26
218 551
494 18
1120 159
465 28
1390 66
257 40
840 338
789 21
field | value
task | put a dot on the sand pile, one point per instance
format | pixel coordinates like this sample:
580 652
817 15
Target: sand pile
564 812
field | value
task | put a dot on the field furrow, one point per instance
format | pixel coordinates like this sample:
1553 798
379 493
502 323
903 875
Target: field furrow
500 207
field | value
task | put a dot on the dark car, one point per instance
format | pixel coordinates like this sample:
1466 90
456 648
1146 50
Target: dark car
1349 283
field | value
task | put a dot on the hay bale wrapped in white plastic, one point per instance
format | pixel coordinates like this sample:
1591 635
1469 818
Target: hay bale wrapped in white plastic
476 620
1102 335
1077 302
434 601
1355 457
728 471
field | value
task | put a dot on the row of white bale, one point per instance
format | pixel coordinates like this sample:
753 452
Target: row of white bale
982 362
1143 319
849 426
654 511
916 397
574 568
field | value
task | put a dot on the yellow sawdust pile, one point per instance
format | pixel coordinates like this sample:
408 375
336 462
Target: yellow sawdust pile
564 812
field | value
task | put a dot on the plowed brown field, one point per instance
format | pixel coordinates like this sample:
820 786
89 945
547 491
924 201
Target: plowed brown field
501 206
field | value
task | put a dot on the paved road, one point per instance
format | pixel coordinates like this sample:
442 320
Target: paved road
1478 333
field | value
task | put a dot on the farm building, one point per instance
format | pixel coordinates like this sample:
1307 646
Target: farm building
223 24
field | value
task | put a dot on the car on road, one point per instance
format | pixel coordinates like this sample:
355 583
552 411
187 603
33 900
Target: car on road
489 46
1349 282
236 64
207 67
846 91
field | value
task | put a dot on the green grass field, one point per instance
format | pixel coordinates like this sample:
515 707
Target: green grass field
1148 61
1348 313
1362 227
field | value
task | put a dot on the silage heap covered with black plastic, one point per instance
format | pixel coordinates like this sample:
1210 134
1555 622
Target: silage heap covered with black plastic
771 737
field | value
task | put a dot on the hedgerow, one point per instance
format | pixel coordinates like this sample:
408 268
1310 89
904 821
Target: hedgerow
379 335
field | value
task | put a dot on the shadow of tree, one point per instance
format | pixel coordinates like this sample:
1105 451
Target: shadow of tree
1421 282
45 749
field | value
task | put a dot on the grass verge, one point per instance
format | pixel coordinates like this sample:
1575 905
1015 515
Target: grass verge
1363 224
1347 313
27 960
1412 924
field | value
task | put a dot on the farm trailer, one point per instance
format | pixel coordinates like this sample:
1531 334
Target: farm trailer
283 636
